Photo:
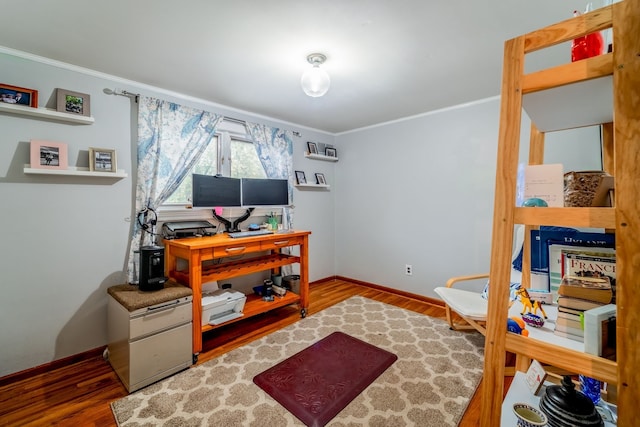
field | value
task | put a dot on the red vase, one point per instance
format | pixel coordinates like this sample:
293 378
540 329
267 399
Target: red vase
586 46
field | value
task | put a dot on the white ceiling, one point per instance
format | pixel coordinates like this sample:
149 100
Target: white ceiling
387 59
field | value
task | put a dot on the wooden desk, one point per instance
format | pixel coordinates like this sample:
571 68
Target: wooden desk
221 247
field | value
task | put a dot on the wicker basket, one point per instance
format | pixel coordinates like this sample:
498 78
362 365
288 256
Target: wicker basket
580 187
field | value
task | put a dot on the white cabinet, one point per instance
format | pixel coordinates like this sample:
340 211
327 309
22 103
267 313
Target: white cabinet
148 343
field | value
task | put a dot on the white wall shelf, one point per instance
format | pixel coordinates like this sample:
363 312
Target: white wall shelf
313 186
75 171
320 157
46 113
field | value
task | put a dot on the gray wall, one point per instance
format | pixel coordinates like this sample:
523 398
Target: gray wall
417 191
65 239
420 192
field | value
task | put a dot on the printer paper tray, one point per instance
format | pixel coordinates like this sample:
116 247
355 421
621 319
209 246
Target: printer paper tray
224 317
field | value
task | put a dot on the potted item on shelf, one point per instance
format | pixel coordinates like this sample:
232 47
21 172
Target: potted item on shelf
565 406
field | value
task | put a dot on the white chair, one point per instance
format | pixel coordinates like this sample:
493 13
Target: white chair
471 306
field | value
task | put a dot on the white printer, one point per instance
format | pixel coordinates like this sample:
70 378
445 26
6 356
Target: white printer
221 306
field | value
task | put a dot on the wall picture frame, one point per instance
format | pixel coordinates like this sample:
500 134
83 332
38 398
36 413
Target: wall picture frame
102 160
18 95
312 147
320 179
300 177
330 152
48 154
68 101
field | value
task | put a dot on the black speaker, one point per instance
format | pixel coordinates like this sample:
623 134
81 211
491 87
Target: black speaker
152 275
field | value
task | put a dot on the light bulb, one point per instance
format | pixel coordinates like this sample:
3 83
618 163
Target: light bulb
315 81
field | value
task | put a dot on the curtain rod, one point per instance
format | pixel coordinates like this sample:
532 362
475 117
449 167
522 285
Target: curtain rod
120 92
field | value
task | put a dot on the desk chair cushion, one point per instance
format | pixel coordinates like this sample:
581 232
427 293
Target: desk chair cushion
469 304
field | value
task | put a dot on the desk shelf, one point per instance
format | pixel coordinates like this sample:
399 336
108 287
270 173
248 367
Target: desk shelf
228 270
255 306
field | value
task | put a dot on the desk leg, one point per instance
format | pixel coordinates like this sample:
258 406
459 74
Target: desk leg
304 276
195 282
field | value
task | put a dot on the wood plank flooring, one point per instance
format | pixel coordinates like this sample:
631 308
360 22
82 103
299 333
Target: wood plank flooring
79 394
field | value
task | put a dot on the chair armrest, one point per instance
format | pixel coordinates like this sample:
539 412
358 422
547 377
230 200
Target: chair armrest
457 279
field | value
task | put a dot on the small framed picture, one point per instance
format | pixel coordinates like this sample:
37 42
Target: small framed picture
18 95
330 152
102 160
73 102
48 155
312 147
320 179
300 178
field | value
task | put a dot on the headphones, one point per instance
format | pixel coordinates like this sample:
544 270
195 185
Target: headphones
142 219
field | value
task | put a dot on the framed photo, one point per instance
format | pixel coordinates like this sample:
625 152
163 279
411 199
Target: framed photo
330 152
312 147
73 102
48 155
300 178
102 160
320 179
18 95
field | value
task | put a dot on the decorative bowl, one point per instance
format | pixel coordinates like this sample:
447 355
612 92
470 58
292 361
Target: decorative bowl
533 320
529 416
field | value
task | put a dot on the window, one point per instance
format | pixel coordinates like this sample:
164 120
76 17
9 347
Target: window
207 165
244 160
230 143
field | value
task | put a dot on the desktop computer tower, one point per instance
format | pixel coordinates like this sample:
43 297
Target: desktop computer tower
152 275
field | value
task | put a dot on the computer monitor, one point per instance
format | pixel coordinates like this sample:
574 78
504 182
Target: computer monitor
212 191
265 192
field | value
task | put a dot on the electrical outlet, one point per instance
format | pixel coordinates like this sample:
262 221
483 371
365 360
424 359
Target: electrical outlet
408 269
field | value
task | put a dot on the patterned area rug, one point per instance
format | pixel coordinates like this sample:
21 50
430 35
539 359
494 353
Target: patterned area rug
430 384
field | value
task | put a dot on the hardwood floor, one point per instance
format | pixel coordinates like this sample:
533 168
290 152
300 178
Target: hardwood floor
79 393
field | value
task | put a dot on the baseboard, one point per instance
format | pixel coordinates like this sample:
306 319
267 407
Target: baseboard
48 367
422 298
97 352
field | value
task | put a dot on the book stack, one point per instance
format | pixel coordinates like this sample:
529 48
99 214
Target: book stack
576 295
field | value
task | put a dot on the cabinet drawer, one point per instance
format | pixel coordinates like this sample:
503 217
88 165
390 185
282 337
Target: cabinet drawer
238 248
153 321
282 242
158 356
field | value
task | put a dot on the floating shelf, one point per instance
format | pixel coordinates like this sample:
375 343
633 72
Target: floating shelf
46 113
313 186
320 157
75 171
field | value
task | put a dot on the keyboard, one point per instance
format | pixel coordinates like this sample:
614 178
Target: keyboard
249 233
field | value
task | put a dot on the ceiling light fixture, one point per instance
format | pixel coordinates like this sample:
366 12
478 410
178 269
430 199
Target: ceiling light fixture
315 81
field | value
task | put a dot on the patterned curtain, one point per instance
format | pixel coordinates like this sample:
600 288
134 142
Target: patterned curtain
171 139
275 150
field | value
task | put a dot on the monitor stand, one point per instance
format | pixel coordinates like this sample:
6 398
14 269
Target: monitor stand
232 226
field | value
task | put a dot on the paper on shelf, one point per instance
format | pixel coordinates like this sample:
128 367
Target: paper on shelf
545 182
